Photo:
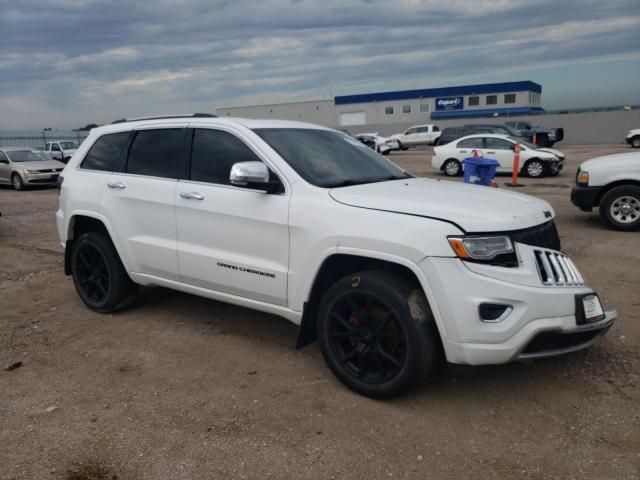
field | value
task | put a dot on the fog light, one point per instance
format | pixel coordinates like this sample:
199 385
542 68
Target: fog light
494 312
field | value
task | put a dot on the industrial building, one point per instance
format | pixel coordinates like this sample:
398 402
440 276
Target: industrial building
406 106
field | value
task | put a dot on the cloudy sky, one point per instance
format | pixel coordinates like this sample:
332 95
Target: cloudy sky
66 63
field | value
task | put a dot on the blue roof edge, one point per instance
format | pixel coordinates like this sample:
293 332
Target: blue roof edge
525 85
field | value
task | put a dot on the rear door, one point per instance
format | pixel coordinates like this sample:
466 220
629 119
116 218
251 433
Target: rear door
139 201
231 239
466 147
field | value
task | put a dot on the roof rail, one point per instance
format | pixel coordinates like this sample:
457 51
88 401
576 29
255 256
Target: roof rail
160 117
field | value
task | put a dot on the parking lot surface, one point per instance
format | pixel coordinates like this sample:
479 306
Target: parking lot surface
180 387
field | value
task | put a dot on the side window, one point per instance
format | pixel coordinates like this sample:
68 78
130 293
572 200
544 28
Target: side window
157 153
471 143
106 154
436 128
411 131
3 158
213 154
498 144
55 147
47 147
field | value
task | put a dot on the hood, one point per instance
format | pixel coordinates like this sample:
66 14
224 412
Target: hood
40 165
474 208
555 152
622 161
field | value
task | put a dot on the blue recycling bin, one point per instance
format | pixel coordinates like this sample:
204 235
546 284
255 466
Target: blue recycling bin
480 170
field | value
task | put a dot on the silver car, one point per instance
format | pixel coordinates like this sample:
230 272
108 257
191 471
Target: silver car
22 167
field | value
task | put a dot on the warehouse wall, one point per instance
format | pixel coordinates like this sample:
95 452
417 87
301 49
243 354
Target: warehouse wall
587 128
318 111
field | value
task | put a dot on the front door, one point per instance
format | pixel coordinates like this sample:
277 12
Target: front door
230 239
500 150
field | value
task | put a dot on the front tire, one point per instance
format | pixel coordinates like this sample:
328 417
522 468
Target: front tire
620 207
534 168
402 147
635 142
98 274
452 168
16 181
377 333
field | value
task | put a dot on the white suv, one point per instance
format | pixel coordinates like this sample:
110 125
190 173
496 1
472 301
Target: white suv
307 223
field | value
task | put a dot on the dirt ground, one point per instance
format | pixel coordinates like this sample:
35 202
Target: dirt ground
180 387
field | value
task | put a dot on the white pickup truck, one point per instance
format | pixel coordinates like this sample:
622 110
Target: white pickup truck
611 183
61 150
418 135
391 273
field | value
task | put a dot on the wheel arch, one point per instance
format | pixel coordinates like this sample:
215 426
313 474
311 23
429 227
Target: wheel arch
83 222
612 185
338 265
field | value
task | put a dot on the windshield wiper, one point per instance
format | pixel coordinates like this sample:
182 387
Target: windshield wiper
361 181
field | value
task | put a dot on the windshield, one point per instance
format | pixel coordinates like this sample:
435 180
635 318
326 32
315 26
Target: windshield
524 142
326 158
27 156
68 145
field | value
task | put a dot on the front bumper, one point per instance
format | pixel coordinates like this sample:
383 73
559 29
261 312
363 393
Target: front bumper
585 198
40 178
458 289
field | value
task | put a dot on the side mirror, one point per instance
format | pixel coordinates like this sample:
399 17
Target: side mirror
254 175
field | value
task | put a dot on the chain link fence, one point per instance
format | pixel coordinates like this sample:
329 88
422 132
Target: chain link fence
37 139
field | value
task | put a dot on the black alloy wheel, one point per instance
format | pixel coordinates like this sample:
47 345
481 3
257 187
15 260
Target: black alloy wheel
366 338
377 333
92 273
98 274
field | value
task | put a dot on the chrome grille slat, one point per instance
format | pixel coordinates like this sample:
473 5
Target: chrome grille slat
556 269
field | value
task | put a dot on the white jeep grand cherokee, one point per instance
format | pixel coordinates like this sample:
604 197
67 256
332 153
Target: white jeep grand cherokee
391 273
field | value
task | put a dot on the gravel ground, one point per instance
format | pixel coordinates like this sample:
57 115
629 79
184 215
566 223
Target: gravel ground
180 387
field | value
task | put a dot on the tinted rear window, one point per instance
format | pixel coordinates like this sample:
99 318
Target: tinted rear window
107 153
157 153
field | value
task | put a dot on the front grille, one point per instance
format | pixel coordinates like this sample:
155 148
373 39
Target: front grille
544 236
557 269
554 341
48 170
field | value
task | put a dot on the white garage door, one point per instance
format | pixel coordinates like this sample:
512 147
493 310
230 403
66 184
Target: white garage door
352 118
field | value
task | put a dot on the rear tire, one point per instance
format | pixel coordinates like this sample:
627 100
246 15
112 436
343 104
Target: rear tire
635 142
452 168
620 208
402 147
16 181
98 274
377 333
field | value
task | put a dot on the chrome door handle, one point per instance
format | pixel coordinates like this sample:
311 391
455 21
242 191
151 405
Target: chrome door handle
118 185
191 196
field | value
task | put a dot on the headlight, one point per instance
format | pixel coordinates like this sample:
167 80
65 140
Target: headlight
582 178
32 171
497 250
